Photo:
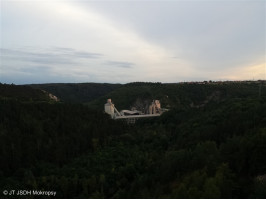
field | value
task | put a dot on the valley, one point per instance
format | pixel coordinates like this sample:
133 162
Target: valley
210 144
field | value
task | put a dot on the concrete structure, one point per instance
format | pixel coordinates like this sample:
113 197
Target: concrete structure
155 110
155 107
130 112
109 108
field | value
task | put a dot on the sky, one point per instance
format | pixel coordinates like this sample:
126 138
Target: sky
111 41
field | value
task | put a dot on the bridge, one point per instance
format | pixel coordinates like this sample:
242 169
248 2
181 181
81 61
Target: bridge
131 116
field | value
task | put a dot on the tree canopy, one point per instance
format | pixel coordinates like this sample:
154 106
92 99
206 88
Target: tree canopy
213 148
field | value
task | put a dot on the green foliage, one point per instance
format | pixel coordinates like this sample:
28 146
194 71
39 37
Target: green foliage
22 93
179 95
214 148
77 93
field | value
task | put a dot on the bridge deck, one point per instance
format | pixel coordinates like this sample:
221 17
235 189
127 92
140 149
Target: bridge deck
136 116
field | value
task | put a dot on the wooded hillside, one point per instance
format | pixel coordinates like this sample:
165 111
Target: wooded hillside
211 144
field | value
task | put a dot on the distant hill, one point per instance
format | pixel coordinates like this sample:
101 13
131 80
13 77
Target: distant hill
22 93
179 94
77 92
137 94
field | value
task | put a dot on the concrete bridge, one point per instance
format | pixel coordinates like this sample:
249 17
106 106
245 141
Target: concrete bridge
131 116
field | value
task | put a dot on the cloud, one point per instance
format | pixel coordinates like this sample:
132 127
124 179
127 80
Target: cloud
35 70
82 54
255 71
99 41
46 64
75 53
207 35
120 64
48 56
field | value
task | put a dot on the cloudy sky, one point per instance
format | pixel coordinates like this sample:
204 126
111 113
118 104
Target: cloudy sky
50 41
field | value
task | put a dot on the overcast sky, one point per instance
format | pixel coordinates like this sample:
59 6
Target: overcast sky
50 41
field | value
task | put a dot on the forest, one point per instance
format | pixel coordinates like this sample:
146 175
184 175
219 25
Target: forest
210 144
77 92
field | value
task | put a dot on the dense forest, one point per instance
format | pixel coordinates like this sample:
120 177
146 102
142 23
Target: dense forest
22 93
78 92
210 144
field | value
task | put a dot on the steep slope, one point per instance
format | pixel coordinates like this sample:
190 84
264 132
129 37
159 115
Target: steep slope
77 92
179 94
22 93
